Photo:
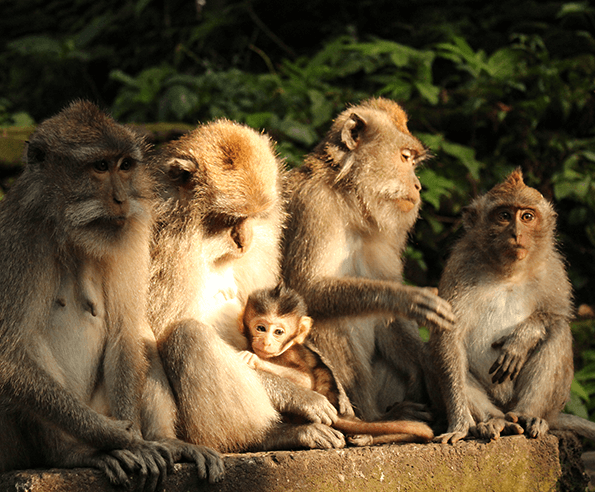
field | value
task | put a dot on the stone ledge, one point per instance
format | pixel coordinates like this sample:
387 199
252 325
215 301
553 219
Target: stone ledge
509 464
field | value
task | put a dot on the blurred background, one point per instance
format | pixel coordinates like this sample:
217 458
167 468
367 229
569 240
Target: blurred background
488 86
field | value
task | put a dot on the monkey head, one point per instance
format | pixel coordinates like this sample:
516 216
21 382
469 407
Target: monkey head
225 174
274 320
516 218
91 174
371 152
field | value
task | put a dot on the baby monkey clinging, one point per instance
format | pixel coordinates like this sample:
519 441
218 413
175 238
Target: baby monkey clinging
276 324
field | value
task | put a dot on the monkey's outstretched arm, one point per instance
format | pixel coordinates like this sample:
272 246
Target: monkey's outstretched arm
331 297
517 346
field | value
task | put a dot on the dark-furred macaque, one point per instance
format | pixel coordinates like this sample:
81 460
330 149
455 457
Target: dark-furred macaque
75 230
218 240
351 207
506 366
276 324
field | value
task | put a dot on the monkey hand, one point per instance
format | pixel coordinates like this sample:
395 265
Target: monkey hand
249 358
150 461
312 406
319 436
427 308
510 361
209 463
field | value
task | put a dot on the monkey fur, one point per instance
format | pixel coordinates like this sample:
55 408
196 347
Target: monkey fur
506 366
276 324
74 233
217 241
351 206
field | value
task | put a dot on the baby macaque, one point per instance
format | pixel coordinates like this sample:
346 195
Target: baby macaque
276 325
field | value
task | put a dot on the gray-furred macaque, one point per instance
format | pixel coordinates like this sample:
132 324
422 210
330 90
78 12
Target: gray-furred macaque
276 325
351 207
506 366
218 240
75 230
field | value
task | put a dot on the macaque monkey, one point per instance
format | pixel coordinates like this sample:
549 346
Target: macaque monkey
506 366
75 231
217 241
351 207
276 325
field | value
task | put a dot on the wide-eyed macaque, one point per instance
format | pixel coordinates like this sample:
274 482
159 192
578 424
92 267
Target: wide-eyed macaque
351 206
218 240
276 324
75 232
506 366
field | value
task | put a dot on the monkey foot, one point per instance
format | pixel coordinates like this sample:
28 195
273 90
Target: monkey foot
495 427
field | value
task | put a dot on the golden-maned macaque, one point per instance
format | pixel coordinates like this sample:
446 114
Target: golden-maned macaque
218 241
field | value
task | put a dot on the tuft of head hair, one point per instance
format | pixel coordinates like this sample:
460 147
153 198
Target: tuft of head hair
80 132
511 192
395 112
238 165
280 300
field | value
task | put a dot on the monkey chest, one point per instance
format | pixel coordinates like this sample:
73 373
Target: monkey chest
74 340
367 256
498 311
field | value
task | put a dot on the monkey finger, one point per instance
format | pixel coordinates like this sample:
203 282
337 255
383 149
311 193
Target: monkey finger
113 470
496 365
325 437
208 462
512 429
498 343
128 460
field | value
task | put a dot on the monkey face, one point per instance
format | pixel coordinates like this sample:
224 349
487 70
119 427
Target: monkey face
513 229
95 170
271 335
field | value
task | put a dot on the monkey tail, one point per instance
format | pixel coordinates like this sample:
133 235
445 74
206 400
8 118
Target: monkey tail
409 429
581 426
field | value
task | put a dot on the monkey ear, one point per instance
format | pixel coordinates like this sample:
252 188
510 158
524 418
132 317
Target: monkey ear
35 153
305 325
469 216
180 171
352 129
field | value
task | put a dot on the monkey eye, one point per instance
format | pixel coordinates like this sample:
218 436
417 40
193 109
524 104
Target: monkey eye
279 332
527 216
504 216
406 154
100 166
126 164
261 328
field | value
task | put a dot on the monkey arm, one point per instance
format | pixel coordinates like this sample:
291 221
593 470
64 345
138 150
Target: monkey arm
517 346
22 381
332 297
295 375
287 397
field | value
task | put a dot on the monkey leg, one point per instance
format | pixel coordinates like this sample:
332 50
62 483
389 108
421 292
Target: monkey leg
401 346
491 421
543 385
15 449
221 402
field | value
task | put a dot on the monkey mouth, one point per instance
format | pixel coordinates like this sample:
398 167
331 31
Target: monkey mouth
406 204
115 222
